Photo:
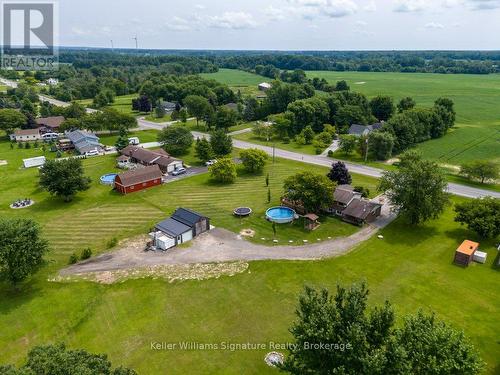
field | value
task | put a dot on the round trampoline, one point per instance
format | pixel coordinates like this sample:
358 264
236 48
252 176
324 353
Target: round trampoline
242 211
108 179
280 215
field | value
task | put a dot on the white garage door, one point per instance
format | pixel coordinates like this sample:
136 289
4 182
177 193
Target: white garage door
188 236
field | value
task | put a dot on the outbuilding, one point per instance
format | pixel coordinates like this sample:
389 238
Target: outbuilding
34 162
138 179
26 135
465 252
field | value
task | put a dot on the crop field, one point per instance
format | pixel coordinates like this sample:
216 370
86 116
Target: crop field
411 267
476 97
238 80
122 104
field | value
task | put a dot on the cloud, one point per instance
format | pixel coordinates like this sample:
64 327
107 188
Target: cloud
483 4
231 20
434 25
361 23
275 14
411 6
178 24
370 7
311 9
200 6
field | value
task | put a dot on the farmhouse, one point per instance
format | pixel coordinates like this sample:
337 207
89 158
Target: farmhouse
465 253
364 130
181 227
343 196
25 135
84 142
49 124
139 155
138 179
264 86
361 211
169 107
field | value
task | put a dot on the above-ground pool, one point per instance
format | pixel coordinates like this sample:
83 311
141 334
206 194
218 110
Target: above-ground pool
108 179
280 215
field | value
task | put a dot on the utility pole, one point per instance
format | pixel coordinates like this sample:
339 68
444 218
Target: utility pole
366 151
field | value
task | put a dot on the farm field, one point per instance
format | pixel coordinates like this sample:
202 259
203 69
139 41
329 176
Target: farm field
477 134
238 80
291 146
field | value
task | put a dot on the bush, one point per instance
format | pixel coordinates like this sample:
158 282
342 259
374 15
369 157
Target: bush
253 159
330 153
112 243
59 154
286 140
35 144
365 192
223 171
73 258
27 145
86 253
20 145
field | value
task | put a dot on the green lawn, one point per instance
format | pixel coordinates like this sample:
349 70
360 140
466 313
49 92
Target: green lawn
122 103
153 118
410 266
240 80
292 146
477 135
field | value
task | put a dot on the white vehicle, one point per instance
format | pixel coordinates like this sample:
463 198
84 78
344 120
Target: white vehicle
179 171
134 141
50 136
210 162
92 153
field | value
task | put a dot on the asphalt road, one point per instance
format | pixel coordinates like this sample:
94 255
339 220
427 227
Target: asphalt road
456 189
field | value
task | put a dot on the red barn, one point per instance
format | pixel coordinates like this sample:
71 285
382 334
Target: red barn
139 179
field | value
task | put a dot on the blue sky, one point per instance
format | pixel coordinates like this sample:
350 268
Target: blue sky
282 24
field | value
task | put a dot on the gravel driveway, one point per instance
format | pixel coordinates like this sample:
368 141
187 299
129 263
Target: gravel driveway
220 245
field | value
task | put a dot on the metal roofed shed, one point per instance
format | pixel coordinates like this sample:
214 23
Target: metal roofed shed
34 162
465 253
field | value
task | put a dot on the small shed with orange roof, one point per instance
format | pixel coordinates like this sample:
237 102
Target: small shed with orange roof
465 252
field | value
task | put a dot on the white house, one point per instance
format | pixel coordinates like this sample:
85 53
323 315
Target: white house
264 86
52 81
26 135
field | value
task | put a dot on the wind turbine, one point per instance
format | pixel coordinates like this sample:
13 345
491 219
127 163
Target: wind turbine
112 45
136 44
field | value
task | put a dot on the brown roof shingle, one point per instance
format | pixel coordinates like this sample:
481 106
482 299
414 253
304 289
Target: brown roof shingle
138 176
344 194
360 208
51 122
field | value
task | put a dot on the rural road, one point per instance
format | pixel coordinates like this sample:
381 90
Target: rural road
456 189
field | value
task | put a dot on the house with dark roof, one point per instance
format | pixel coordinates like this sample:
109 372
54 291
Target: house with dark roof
181 227
361 211
343 196
84 142
139 155
169 107
138 179
364 130
50 124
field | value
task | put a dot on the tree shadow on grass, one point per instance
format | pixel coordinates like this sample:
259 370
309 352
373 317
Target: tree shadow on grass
13 297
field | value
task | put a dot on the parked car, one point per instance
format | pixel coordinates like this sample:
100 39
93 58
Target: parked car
179 171
134 141
92 153
210 162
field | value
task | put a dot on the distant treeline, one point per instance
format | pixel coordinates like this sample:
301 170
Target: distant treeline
407 62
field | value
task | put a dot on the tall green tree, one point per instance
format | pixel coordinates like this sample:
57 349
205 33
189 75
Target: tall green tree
382 107
314 191
64 178
122 140
482 170
57 359
340 174
197 106
203 149
341 335
221 143
223 171
11 119
380 145
406 104
480 215
253 159
417 189
347 143
21 249
176 140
